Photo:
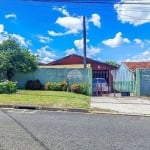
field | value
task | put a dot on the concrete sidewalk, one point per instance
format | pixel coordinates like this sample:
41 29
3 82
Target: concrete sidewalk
122 105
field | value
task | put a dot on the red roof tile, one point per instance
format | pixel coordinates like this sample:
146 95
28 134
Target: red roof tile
137 65
76 59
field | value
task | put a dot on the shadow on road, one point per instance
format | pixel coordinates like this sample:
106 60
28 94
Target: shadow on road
26 130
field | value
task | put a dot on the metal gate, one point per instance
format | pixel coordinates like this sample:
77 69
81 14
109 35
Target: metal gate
124 81
101 74
104 74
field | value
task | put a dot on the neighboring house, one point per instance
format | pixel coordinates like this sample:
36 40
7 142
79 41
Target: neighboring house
126 75
99 69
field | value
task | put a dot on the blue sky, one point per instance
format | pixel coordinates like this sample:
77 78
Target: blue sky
116 30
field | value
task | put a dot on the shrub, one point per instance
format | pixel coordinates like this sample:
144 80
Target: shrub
76 88
33 85
8 87
51 86
81 88
61 86
47 86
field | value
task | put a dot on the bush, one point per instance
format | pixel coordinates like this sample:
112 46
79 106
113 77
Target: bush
8 87
61 86
47 86
52 86
33 85
81 88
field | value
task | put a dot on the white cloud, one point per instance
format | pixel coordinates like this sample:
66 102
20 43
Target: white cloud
62 10
46 60
45 55
70 51
53 33
91 50
134 13
139 42
72 24
145 56
95 19
3 38
117 41
44 39
1 28
10 16
79 43
3 34
21 40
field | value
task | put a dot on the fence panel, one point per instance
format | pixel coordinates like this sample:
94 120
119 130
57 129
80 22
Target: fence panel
124 81
143 82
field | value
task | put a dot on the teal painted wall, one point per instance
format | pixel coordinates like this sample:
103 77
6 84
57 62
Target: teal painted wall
144 82
55 75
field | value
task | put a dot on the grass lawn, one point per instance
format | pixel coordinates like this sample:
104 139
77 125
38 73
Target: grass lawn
46 98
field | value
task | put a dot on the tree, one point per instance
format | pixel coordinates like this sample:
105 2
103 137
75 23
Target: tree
112 63
15 59
9 45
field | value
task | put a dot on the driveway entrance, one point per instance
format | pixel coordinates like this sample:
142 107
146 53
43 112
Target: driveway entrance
125 105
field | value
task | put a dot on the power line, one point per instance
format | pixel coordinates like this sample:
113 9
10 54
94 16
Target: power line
93 2
144 9
75 1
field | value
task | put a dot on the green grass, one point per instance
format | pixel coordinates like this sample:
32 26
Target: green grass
46 98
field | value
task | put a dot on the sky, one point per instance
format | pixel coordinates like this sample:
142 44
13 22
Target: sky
116 30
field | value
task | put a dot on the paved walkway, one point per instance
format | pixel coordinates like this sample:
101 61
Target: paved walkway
123 105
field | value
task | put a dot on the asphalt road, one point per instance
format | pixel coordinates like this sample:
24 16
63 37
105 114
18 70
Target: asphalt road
43 130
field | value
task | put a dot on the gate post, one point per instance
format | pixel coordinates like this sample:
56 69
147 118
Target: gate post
138 90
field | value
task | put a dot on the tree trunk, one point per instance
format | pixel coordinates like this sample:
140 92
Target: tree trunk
9 74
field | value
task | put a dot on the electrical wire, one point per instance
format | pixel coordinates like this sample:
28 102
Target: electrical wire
93 2
144 9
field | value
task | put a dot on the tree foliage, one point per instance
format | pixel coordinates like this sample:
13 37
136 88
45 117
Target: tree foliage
9 45
113 63
15 59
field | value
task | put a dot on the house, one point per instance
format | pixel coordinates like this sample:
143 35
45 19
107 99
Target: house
125 77
99 69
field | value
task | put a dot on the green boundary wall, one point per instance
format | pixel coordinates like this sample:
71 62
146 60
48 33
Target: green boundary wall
70 75
143 82
138 82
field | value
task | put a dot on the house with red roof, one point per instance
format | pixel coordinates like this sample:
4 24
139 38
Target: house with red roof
132 66
99 69
125 77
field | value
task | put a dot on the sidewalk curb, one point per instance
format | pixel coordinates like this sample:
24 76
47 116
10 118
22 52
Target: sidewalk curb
30 107
120 113
91 111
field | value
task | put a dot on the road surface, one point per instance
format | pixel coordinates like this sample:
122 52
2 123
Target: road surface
43 130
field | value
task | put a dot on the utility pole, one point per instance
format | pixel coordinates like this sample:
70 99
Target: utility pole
84 42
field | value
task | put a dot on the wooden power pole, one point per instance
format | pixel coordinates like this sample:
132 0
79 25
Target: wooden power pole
84 42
